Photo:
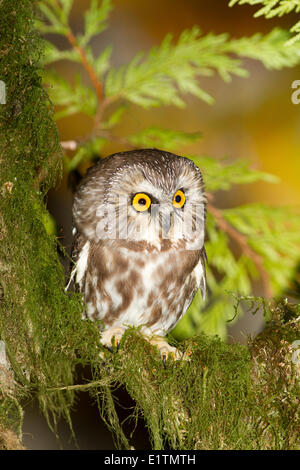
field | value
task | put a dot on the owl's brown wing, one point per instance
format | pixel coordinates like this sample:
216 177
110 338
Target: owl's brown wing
203 260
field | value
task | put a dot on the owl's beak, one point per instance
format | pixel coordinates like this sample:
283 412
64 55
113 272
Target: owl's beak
166 222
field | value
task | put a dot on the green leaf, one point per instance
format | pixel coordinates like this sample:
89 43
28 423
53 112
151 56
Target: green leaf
102 63
222 174
114 118
95 20
66 8
272 8
274 233
296 37
53 14
172 70
74 99
163 138
272 49
52 54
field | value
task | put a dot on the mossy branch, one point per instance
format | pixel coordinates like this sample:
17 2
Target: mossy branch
223 397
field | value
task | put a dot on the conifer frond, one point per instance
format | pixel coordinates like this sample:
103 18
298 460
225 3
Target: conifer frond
95 20
273 232
272 8
221 174
72 99
173 69
166 139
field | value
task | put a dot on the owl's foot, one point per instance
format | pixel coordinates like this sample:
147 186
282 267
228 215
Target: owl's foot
165 349
112 337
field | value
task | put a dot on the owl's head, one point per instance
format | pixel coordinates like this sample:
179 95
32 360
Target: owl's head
144 195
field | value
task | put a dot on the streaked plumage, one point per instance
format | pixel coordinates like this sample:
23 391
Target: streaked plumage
133 263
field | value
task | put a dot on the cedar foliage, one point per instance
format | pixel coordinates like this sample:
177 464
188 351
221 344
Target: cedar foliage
225 397
272 8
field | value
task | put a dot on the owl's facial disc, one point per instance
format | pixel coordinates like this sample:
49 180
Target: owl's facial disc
155 216
146 195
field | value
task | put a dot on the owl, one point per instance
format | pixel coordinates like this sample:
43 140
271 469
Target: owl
139 256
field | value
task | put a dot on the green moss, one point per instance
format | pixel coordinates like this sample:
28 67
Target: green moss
223 397
39 323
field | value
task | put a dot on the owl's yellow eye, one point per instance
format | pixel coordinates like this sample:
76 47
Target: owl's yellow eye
141 202
179 199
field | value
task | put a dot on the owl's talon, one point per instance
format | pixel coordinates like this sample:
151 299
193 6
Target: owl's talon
164 359
166 350
111 338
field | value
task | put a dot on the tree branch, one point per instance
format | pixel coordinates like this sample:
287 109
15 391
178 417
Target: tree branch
94 79
102 101
243 243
